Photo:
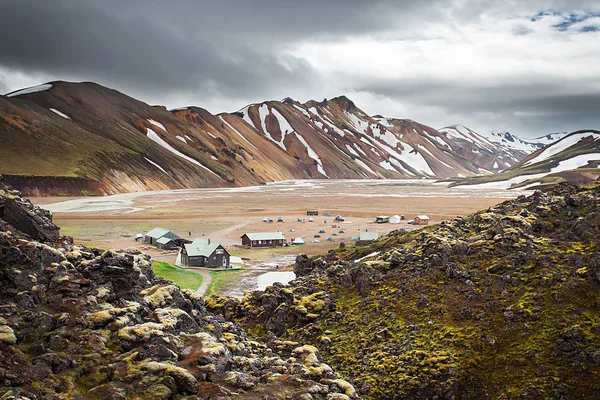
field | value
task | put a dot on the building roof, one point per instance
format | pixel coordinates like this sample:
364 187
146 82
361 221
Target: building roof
368 236
382 216
164 240
266 236
158 232
422 217
201 247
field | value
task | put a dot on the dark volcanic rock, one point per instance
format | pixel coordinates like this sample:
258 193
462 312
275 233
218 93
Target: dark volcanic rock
81 323
500 304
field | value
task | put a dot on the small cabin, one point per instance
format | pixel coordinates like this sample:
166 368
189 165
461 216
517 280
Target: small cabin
263 239
204 253
165 243
157 233
312 212
382 219
327 214
421 220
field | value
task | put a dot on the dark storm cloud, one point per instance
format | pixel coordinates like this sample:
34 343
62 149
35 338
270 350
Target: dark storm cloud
130 48
222 53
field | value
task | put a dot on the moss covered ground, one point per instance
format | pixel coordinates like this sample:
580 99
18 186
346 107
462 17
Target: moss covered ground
223 279
501 304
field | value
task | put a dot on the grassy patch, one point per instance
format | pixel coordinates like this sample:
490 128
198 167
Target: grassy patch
223 279
182 278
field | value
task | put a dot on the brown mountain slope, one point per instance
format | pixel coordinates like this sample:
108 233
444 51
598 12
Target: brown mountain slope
70 138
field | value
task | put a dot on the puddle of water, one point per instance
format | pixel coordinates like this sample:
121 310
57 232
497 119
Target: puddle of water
270 278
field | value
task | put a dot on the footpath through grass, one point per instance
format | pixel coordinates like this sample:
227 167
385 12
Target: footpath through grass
223 279
181 277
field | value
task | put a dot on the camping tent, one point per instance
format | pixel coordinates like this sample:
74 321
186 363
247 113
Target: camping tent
395 219
298 241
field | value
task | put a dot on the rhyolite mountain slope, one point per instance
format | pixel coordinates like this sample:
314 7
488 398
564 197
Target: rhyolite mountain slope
65 138
573 158
79 323
500 304
496 152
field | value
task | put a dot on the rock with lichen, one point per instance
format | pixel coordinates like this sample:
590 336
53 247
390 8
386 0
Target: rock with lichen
87 323
499 304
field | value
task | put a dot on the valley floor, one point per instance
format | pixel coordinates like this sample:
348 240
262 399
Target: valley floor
225 214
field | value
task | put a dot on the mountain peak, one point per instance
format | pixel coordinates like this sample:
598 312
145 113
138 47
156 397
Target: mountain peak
344 103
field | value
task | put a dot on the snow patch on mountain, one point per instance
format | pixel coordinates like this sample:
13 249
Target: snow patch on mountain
564 165
550 138
384 121
181 138
157 139
561 145
312 154
399 166
55 111
387 165
513 142
284 125
364 166
263 112
156 165
158 124
360 125
351 150
29 90
333 127
410 156
236 131
357 147
302 110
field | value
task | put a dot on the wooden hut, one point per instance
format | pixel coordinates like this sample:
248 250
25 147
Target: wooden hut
263 239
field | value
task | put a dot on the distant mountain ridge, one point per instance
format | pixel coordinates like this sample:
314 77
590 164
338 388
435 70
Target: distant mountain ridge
97 140
575 157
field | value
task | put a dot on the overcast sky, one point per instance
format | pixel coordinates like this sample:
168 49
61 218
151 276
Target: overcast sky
529 67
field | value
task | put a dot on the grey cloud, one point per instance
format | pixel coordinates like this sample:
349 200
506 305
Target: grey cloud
206 52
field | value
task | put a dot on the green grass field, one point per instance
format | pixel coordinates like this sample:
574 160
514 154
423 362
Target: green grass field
182 278
222 279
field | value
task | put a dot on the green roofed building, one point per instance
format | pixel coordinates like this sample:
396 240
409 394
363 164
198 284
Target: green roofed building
157 233
204 253
263 239
165 243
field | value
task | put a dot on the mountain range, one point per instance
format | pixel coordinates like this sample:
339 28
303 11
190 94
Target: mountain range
64 138
574 157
